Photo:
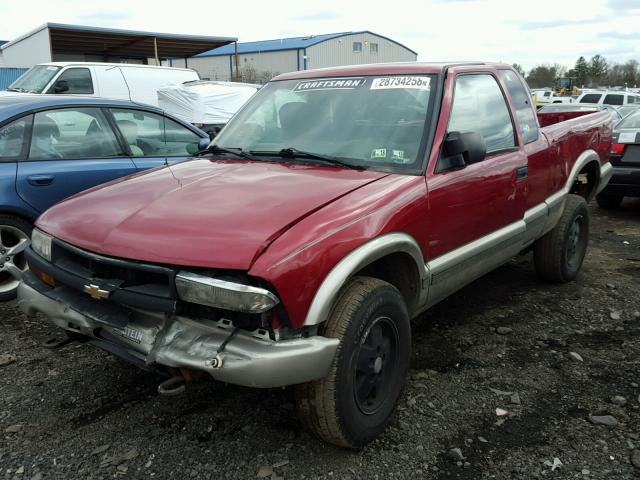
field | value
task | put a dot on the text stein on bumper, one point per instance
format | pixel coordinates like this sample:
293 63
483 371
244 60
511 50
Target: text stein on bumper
155 338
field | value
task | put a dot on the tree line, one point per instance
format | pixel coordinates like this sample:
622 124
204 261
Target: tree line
595 72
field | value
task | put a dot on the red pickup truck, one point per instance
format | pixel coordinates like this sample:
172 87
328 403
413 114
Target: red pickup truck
337 205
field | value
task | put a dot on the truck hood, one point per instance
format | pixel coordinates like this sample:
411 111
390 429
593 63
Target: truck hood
201 213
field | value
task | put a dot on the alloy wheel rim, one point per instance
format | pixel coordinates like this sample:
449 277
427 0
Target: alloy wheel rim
13 263
375 365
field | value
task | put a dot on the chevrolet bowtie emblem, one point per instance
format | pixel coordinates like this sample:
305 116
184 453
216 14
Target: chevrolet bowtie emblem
96 292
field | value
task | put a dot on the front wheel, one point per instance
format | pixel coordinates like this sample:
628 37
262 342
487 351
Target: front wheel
354 403
559 254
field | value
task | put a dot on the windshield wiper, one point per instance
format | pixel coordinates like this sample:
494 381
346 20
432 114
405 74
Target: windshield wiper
295 153
213 149
20 90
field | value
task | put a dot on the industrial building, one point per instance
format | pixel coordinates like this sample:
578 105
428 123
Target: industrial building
72 43
259 61
214 58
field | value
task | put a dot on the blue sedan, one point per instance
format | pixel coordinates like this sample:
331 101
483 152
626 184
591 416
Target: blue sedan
52 147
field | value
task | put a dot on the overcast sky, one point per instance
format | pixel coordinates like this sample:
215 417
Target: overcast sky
540 31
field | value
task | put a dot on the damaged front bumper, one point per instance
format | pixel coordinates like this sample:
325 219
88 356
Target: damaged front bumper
152 339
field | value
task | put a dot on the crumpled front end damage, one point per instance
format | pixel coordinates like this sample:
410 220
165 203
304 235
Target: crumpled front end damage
156 339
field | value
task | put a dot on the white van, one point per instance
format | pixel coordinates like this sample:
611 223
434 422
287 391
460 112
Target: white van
139 83
609 97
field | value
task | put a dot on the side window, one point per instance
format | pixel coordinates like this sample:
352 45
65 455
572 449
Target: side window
14 139
78 81
179 139
69 133
149 134
522 103
357 46
591 98
479 106
613 99
547 94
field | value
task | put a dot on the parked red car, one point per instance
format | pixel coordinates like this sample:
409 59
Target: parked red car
336 205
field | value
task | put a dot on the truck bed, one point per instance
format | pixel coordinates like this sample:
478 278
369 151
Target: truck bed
550 118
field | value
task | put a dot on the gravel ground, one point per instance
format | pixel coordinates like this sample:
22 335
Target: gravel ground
510 371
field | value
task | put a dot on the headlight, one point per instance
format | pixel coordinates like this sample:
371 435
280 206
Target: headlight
222 294
41 243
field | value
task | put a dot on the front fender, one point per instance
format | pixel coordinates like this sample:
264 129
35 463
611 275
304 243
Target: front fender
358 259
311 262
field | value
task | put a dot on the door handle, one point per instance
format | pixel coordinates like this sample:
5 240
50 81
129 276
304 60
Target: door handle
40 180
522 172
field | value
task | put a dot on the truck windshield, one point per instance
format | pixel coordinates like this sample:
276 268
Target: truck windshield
35 79
369 122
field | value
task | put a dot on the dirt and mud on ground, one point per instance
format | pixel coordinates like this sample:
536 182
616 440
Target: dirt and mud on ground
511 379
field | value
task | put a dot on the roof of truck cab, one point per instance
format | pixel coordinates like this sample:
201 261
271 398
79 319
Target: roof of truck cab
399 68
11 105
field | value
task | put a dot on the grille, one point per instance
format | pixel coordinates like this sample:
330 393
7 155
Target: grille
129 282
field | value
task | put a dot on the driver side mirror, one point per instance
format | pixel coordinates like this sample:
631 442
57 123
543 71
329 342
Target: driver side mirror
203 143
61 86
461 149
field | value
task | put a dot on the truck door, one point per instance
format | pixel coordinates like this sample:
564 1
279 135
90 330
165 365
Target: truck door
73 81
476 210
110 82
71 149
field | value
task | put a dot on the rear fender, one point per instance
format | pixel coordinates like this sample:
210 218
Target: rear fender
555 202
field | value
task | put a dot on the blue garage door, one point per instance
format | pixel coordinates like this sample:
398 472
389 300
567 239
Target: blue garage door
10 75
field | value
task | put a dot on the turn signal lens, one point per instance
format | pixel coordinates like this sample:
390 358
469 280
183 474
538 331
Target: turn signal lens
48 279
617 148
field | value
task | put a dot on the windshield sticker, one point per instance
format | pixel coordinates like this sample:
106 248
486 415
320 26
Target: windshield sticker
397 156
420 83
52 68
330 84
378 153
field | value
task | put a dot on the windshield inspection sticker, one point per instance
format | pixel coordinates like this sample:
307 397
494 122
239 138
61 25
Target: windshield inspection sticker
378 153
406 81
330 84
397 156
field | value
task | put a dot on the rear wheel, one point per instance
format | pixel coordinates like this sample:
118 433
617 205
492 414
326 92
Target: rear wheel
558 255
14 239
354 403
608 201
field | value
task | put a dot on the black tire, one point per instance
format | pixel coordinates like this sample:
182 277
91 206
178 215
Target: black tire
334 407
608 201
559 254
11 229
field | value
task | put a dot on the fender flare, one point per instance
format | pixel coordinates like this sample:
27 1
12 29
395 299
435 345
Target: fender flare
584 159
356 260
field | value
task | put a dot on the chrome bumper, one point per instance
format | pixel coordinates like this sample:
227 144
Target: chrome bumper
249 358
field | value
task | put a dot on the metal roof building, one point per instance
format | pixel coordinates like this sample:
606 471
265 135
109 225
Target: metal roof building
259 61
62 42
